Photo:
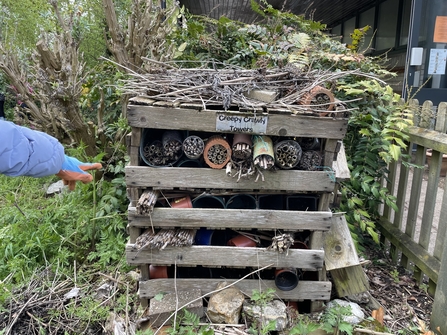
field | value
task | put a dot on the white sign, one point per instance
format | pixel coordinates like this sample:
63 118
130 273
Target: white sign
241 123
437 61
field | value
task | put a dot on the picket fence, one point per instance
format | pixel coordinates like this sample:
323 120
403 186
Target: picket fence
415 234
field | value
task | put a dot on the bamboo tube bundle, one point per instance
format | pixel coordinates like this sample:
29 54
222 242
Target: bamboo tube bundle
242 147
310 161
319 99
146 202
172 146
281 243
217 152
166 238
193 147
263 156
153 152
287 154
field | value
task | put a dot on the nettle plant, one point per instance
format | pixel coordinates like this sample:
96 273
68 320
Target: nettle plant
377 121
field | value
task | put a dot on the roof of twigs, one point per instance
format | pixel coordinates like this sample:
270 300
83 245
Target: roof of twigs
230 86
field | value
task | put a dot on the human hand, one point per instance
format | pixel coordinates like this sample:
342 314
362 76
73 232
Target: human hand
73 170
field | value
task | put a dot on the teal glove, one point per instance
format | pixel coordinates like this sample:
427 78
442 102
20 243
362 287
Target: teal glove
73 170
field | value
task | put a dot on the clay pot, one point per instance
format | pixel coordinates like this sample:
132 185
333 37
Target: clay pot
319 99
184 202
241 241
156 272
217 152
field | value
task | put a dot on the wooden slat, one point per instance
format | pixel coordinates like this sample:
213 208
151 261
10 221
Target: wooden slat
428 138
417 254
169 177
226 256
278 125
306 290
430 199
232 218
416 186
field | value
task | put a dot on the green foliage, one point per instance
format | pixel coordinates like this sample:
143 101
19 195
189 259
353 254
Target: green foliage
261 298
304 326
358 36
376 137
187 323
333 320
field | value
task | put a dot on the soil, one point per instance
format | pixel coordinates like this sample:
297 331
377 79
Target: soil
405 302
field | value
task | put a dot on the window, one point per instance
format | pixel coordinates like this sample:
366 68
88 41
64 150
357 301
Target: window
348 29
366 18
405 25
386 25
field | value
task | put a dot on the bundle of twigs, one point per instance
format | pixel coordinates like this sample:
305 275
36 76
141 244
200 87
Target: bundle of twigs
281 243
165 238
147 201
230 85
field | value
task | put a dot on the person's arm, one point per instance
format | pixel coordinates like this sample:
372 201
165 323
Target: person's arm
27 152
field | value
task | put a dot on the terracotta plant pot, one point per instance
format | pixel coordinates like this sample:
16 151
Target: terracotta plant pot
156 272
319 99
184 202
241 241
217 152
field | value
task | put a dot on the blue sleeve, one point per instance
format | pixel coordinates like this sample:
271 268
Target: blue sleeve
27 152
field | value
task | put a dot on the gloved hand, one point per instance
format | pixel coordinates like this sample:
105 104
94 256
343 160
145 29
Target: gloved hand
73 170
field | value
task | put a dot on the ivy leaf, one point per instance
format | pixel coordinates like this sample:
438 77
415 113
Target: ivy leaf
354 91
395 151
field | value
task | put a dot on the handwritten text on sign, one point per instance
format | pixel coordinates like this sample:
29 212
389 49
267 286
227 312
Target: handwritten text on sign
248 123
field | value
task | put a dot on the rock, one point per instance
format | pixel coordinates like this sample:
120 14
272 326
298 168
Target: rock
273 311
225 306
357 313
161 310
56 188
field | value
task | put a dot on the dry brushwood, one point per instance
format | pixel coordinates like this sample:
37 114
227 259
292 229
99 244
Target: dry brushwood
230 85
281 243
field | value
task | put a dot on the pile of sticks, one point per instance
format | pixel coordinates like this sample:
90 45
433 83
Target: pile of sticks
281 243
229 85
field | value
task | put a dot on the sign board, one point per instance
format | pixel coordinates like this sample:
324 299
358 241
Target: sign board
440 33
437 61
241 123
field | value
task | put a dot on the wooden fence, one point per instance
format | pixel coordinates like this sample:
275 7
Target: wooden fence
416 233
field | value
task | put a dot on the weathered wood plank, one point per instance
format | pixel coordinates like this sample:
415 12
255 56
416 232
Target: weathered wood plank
306 290
169 177
417 254
339 248
350 280
430 199
226 256
340 166
428 138
205 121
232 218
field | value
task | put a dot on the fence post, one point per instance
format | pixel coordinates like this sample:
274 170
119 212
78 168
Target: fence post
439 307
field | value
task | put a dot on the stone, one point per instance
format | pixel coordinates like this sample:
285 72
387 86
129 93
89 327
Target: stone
272 311
163 309
225 306
357 313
